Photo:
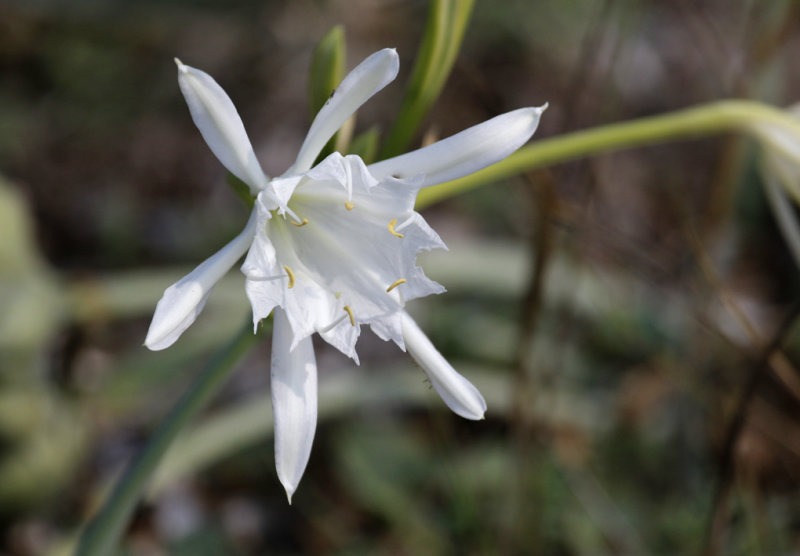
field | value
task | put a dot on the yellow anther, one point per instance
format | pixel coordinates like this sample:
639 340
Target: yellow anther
349 312
338 295
348 205
391 226
300 224
291 276
395 284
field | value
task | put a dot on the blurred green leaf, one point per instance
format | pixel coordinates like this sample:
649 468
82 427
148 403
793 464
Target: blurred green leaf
42 459
365 145
241 189
18 251
327 71
103 531
385 472
444 31
31 304
327 68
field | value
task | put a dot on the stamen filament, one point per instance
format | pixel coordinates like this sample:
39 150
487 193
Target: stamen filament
291 214
349 312
405 223
395 284
264 278
332 325
391 226
291 276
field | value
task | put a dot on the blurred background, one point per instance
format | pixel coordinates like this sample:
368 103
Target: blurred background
629 317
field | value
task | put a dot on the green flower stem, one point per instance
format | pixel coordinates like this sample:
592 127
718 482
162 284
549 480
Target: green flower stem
700 121
102 533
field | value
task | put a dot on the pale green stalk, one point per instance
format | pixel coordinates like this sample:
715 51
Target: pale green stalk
700 121
102 534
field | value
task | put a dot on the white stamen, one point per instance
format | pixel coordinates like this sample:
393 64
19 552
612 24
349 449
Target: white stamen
332 325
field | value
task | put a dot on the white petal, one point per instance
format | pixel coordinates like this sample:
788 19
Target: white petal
283 187
369 77
348 171
261 262
182 302
390 328
217 119
465 152
309 306
264 295
343 337
457 392
294 403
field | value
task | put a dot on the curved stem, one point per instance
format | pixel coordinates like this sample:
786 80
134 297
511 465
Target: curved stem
700 121
103 531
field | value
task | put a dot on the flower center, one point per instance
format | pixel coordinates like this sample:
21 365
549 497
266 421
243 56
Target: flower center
344 248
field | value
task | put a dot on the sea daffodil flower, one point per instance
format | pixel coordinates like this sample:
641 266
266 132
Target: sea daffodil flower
331 248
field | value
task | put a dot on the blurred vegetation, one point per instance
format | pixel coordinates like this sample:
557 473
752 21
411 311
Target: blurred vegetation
629 318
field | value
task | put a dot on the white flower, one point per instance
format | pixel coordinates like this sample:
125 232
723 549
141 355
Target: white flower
333 247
